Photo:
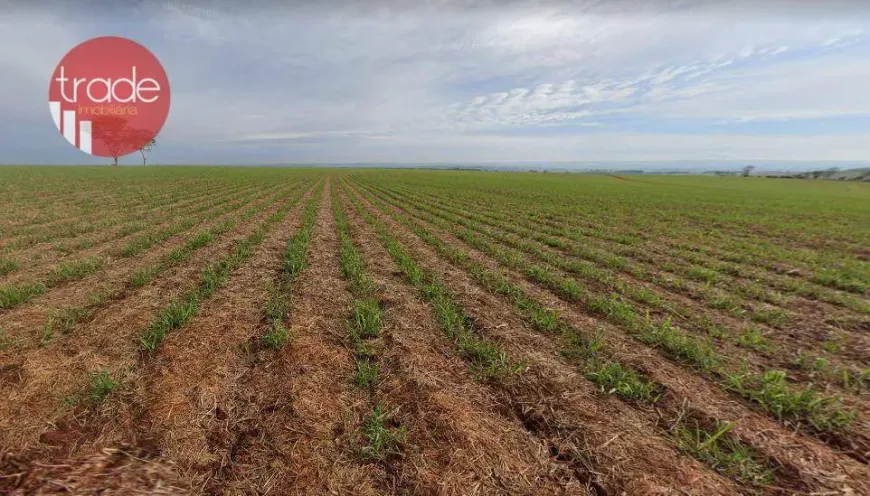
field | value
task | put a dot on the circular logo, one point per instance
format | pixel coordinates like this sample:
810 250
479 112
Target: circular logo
109 96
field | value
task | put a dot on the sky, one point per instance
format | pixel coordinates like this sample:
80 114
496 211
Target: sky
263 82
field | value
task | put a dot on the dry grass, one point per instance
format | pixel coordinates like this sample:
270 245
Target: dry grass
359 332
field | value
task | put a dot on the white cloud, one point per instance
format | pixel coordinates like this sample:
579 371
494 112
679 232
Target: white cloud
802 89
399 80
845 38
600 146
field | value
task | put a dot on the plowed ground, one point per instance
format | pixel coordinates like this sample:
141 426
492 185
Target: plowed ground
396 332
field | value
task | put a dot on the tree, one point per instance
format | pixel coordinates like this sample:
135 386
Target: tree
117 136
120 138
146 148
829 173
747 170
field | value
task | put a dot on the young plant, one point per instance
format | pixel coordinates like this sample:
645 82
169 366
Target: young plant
278 301
174 316
703 274
723 453
367 372
771 391
276 336
6 341
380 439
67 318
143 276
613 378
751 337
775 317
7 265
101 385
46 332
366 318
16 294
68 271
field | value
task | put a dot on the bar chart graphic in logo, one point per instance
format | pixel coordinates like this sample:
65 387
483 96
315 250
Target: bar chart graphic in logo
109 96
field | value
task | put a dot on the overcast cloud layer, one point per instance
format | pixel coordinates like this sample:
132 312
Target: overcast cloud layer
444 82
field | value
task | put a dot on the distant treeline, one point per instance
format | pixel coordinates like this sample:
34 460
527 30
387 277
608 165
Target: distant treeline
832 173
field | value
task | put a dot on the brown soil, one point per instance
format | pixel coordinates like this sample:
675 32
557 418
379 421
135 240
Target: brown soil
800 335
107 220
857 439
36 262
462 437
44 376
122 471
24 323
818 464
289 429
655 250
555 396
181 399
808 326
213 411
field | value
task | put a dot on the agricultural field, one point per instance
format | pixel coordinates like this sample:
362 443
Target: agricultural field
367 331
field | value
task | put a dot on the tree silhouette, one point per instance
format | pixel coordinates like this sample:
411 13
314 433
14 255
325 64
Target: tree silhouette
747 170
119 138
146 148
111 131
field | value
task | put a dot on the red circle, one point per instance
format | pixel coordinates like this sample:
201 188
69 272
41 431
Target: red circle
109 96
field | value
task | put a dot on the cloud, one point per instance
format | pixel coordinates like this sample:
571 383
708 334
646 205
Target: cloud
566 101
811 88
845 38
573 101
409 81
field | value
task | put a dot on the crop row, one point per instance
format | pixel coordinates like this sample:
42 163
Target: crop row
526 248
64 319
181 310
17 294
378 437
803 407
194 206
600 244
706 440
96 218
